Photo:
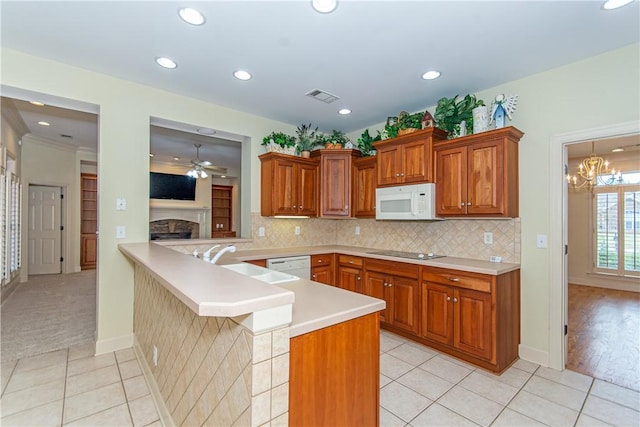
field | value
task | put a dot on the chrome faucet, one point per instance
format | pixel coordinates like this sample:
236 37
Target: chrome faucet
207 255
221 252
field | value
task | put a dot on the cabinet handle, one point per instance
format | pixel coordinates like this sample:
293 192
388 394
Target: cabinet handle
448 298
300 206
314 276
390 285
397 174
358 278
455 300
462 204
468 203
401 174
294 206
454 279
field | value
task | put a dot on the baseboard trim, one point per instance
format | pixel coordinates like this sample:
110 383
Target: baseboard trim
114 344
534 355
163 411
630 285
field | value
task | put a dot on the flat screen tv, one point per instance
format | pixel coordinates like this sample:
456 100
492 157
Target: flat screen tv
169 186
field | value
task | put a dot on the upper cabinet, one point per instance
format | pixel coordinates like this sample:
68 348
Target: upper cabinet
364 187
407 159
289 185
477 175
336 181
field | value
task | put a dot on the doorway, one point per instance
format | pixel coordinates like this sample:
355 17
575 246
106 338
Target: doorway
558 295
45 231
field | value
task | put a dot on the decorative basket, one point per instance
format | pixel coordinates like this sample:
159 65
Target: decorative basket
275 148
333 146
406 131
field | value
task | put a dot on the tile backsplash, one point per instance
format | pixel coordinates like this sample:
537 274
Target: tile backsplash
457 237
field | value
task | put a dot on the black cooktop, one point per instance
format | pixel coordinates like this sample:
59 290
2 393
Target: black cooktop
410 255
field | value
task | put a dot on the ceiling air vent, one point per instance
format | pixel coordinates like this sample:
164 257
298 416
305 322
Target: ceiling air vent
62 135
323 96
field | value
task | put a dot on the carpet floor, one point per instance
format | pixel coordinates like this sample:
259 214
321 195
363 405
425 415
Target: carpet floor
48 312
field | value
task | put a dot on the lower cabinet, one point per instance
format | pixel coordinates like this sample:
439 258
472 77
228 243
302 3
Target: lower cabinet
397 284
349 273
322 268
472 316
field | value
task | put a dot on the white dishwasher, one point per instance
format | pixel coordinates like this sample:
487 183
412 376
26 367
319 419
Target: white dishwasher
296 265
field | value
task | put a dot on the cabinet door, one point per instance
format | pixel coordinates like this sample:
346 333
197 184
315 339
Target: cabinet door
451 181
472 326
416 163
349 278
375 285
437 315
405 303
322 274
364 188
485 171
284 188
336 184
389 164
307 180
89 251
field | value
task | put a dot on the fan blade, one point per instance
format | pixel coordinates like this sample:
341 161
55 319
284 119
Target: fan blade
216 169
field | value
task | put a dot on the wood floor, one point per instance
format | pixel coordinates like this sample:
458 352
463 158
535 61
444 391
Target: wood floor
604 334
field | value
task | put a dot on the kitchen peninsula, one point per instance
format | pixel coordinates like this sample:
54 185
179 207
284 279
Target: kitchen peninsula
225 349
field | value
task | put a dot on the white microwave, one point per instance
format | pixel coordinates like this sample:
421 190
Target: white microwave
406 202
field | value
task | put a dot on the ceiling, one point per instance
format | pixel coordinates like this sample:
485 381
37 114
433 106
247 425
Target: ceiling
371 54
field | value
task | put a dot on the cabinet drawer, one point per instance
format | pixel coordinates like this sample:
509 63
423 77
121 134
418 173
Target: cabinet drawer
318 260
350 260
465 280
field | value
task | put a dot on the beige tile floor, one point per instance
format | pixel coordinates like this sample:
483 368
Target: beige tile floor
419 387
73 387
422 387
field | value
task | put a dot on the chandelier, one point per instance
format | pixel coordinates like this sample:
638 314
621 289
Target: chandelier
593 171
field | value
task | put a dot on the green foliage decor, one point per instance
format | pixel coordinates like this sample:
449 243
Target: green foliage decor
365 142
279 138
450 112
410 121
337 137
308 138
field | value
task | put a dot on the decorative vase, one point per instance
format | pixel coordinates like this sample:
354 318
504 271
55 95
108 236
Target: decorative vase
305 154
480 119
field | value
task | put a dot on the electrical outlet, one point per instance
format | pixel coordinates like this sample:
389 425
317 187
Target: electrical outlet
260 231
121 232
357 230
297 230
494 258
155 355
121 204
488 238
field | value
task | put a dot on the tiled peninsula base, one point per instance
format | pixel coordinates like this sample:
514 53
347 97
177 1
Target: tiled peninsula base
210 370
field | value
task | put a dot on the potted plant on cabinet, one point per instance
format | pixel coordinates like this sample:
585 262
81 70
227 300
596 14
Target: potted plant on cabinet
365 143
336 140
455 116
408 123
280 142
307 139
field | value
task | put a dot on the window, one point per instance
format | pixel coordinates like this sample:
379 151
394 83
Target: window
10 216
617 230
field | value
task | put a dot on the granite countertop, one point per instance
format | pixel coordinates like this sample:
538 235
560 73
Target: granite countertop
455 263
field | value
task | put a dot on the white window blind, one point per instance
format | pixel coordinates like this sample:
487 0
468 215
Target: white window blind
10 226
616 230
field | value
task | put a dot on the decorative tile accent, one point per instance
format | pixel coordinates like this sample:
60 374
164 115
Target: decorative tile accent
210 371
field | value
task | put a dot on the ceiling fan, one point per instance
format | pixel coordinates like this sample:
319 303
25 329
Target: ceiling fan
198 166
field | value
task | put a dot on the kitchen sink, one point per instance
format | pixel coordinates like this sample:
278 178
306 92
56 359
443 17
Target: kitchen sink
260 273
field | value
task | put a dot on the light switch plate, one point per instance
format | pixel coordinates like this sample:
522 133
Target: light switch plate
357 230
297 230
541 241
121 232
260 231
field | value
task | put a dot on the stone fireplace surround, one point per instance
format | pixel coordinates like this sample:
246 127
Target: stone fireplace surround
177 223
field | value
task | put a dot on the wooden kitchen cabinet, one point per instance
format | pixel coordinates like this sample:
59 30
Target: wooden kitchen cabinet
221 218
322 268
477 175
335 181
349 273
397 284
364 187
289 185
407 159
472 316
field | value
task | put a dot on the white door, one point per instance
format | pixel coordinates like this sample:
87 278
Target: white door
45 236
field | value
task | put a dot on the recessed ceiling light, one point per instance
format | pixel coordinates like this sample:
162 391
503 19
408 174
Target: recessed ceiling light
166 62
324 6
615 4
242 75
344 111
430 75
191 16
44 123
617 150
176 158
223 176
39 104
206 131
